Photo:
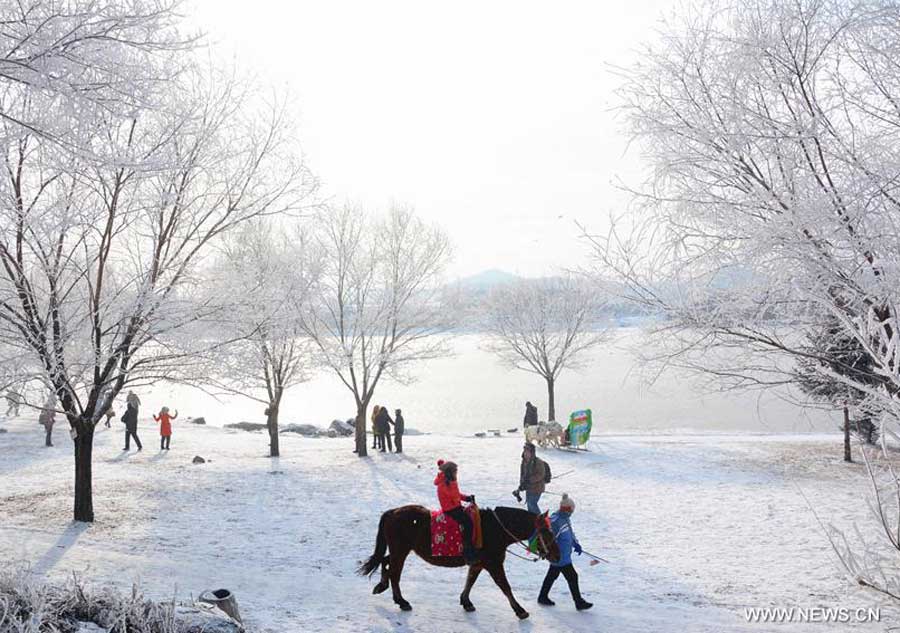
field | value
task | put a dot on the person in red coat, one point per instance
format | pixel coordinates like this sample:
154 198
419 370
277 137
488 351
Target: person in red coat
451 503
165 427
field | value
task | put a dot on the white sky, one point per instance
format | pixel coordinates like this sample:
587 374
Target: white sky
491 118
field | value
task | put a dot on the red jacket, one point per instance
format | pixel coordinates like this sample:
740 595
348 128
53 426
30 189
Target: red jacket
448 494
165 423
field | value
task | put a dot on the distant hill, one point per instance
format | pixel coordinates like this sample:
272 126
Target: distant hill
486 280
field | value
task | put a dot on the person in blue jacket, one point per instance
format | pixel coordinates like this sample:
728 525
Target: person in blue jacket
561 524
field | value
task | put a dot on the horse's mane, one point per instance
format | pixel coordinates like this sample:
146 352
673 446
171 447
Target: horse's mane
506 513
506 509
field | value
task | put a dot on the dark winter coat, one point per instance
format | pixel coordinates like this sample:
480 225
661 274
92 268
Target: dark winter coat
383 421
46 419
531 416
130 419
398 424
531 475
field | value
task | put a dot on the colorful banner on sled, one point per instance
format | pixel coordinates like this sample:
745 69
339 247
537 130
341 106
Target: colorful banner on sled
580 427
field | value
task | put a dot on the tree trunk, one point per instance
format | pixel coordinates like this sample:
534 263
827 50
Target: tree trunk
361 430
847 456
272 424
84 497
551 401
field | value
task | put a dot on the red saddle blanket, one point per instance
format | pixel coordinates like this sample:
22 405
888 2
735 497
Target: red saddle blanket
446 534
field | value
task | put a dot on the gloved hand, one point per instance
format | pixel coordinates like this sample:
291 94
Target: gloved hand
517 495
471 498
577 548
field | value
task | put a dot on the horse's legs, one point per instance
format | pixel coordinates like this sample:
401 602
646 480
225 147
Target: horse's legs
395 568
384 583
474 570
499 575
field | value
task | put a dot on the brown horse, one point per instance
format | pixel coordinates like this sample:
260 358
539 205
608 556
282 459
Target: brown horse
408 529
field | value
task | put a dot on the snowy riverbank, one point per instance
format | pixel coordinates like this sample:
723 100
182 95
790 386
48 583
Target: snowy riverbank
697 528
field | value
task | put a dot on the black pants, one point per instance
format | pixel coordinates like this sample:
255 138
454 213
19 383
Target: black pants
386 439
376 439
398 440
164 442
571 576
128 435
459 515
49 439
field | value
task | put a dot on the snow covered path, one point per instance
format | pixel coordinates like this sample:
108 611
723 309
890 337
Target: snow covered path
697 528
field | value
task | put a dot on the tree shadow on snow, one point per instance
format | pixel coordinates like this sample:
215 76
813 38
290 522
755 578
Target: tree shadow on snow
66 540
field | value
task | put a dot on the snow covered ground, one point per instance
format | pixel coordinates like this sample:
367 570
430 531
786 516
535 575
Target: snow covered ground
696 528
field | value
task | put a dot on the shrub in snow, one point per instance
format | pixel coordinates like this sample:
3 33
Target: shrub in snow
26 605
197 420
198 460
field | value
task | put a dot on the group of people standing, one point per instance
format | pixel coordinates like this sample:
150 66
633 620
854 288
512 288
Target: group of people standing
381 429
47 418
130 420
533 476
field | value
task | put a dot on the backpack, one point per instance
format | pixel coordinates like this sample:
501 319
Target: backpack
547 474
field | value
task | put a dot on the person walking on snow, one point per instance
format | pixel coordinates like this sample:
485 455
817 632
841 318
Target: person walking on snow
451 504
561 524
532 478
383 425
110 414
531 415
13 400
47 419
398 430
165 427
107 399
130 419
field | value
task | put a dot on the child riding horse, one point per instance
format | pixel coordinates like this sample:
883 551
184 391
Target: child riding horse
408 529
451 504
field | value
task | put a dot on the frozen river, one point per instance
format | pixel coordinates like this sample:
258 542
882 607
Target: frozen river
471 391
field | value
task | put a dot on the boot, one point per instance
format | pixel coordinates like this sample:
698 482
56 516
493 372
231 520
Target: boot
580 603
544 596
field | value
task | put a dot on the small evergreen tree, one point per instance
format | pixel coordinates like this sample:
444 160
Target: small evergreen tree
832 348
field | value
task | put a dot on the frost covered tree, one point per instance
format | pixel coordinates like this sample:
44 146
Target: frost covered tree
79 59
106 214
772 134
268 272
544 326
378 305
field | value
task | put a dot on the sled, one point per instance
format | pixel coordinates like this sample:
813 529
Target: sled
578 432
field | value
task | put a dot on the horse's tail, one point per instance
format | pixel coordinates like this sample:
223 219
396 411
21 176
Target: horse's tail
378 558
